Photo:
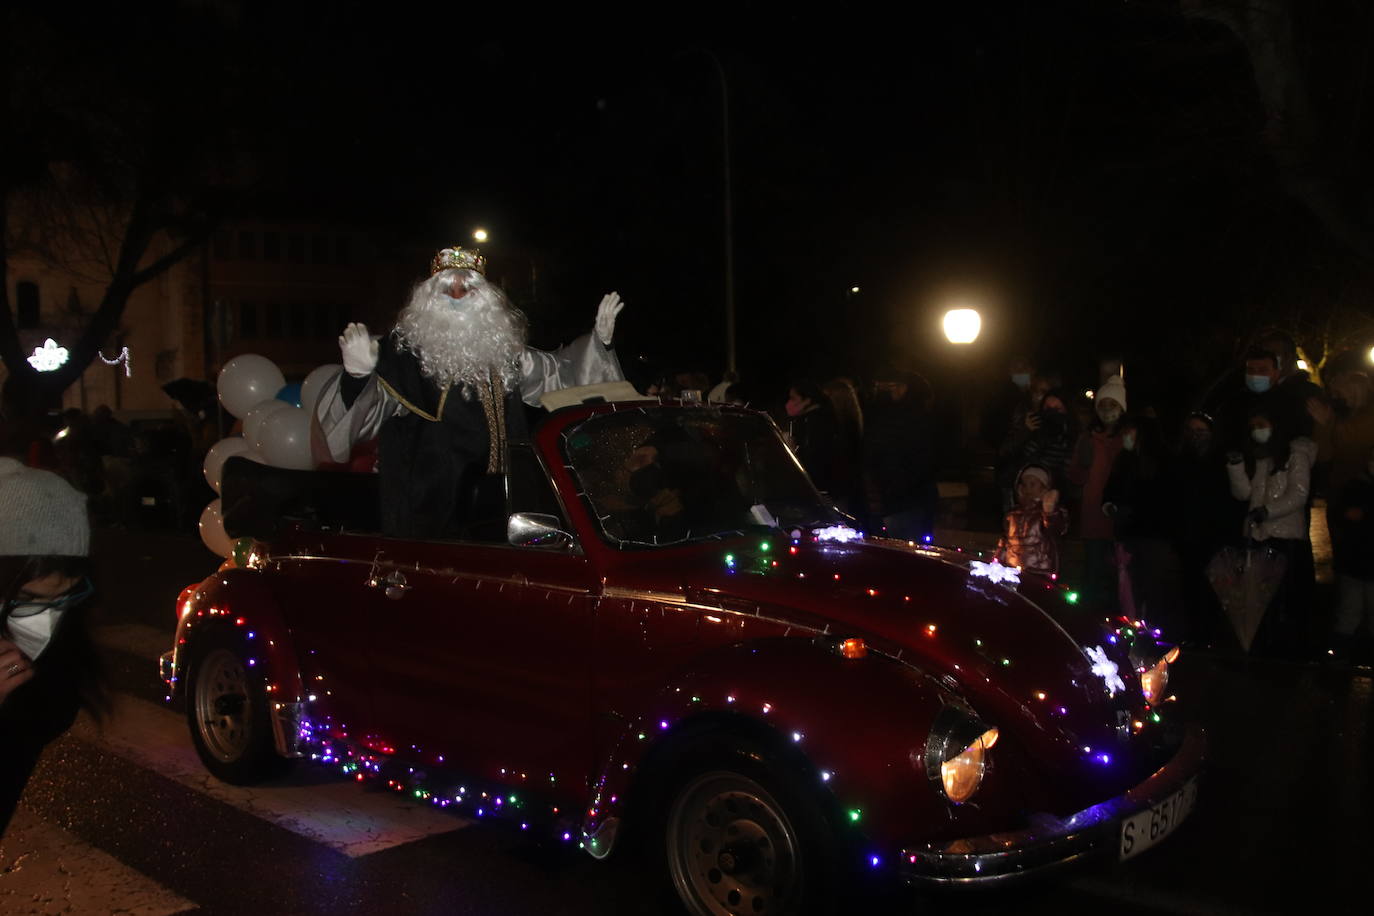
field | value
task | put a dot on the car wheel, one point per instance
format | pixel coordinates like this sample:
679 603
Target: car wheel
228 713
739 840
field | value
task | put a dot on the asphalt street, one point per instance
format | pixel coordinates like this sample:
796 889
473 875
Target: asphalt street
122 819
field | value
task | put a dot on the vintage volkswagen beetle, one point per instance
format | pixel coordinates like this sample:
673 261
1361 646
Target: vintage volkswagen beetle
660 626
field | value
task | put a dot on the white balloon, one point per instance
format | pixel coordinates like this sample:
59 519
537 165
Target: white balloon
253 420
216 456
285 439
212 529
246 381
316 380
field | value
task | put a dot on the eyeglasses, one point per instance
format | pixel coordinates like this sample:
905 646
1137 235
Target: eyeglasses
28 606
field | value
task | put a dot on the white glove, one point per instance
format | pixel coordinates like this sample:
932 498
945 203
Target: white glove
605 317
359 350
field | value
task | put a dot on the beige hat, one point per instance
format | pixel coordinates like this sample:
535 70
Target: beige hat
1114 388
41 515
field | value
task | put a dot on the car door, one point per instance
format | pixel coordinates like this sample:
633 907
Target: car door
480 655
321 580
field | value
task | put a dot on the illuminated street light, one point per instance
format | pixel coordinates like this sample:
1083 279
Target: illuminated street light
853 289
479 235
1371 354
1302 364
962 325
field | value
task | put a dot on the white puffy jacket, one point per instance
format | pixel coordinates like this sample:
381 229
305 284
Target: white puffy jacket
1283 492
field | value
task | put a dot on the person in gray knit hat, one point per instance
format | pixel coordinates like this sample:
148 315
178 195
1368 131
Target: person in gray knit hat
49 668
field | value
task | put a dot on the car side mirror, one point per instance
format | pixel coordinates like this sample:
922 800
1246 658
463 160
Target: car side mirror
533 529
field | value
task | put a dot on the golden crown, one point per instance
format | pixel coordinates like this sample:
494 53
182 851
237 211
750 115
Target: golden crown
458 258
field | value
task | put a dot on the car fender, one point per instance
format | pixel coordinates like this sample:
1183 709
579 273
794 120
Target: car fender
240 599
858 727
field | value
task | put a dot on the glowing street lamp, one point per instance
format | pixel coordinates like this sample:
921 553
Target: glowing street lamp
962 325
479 235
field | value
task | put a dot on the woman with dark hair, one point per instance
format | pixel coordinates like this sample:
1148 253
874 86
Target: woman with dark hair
1274 476
49 668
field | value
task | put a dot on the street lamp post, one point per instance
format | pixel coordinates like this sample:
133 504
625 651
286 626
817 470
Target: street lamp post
961 327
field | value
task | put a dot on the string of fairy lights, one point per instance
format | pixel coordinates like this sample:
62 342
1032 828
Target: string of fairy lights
323 741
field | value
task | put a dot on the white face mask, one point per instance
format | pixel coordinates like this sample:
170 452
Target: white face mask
1262 434
1128 442
31 629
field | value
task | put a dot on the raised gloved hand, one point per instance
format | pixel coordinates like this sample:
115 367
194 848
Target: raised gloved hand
605 317
359 350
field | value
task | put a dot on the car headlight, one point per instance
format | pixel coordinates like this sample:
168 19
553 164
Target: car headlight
956 753
1154 681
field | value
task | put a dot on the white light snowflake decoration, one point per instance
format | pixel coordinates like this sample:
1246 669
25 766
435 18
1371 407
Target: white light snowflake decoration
1106 669
995 572
48 357
842 533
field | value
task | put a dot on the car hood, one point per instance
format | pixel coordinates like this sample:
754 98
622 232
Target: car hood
1006 655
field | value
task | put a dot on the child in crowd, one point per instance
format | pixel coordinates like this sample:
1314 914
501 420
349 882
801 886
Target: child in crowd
1032 529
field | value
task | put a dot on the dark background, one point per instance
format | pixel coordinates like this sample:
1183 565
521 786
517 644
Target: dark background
1151 179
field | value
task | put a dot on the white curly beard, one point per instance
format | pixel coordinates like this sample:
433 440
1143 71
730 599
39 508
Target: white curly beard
462 341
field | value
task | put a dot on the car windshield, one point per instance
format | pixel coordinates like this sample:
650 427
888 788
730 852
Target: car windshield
654 476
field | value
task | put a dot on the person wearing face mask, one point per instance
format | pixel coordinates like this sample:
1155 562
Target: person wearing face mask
1044 437
812 431
1004 422
1279 390
1273 477
49 668
1094 457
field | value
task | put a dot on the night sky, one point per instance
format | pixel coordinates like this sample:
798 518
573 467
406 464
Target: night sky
1094 176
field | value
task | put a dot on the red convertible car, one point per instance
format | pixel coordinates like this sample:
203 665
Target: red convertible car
659 627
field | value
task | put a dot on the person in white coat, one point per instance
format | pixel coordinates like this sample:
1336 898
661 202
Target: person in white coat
1274 477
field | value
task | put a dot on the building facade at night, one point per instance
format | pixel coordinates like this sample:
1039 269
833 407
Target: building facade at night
280 289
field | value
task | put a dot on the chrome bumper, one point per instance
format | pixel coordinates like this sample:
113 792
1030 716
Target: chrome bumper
1053 842
166 669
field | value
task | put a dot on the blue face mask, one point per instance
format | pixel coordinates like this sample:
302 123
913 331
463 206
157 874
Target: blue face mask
1259 384
1021 380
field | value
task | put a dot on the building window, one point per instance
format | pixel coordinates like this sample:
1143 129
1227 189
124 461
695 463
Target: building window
271 246
319 249
248 320
224 245
248 244
272 321
26 304
298 320
295 248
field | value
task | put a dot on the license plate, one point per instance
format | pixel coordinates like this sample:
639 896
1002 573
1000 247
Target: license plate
1141 831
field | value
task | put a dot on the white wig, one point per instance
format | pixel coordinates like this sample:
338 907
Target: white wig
461 341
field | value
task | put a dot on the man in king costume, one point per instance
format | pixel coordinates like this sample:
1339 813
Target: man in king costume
442 393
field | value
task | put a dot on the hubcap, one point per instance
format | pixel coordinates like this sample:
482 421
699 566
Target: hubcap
731 849
223 711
